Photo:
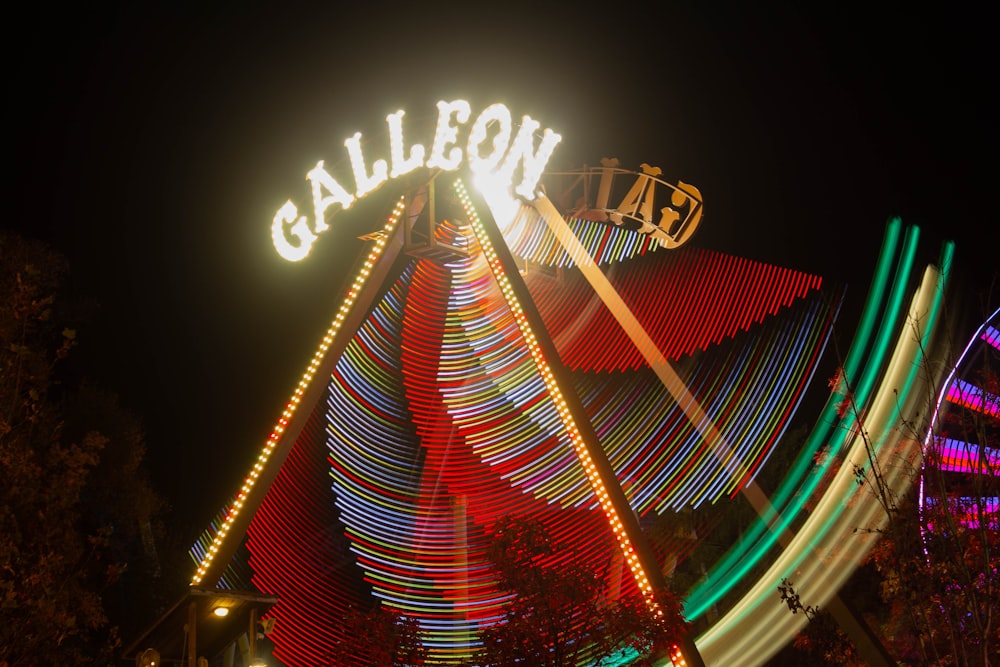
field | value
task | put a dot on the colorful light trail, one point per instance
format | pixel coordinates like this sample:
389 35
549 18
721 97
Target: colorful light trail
433 407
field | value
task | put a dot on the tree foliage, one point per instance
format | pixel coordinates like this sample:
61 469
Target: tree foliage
68 524
559 613
936 562
379 637
939 560
823 638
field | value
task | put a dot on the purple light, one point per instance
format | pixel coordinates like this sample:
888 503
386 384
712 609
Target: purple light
967 510
973 397
992 336
959 456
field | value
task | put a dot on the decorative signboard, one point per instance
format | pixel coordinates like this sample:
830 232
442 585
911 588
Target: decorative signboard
493 149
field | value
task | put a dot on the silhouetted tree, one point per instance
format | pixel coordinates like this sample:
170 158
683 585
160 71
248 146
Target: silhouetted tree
379 637
822 639
559 613
937 564
69 526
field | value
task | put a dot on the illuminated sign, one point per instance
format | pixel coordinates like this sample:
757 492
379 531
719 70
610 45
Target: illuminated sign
590 194
489 152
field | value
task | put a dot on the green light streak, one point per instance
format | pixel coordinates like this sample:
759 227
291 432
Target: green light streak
739 560
906 386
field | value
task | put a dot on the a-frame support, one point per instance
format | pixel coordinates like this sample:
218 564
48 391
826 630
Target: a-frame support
622 509
380 262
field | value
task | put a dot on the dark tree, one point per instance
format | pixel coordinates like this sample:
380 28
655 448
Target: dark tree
69 526
935 566
379 637
559 613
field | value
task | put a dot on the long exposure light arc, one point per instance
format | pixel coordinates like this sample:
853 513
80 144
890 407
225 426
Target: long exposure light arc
464 376
717 296
867 377
827 549
628 322
722 450
866 351
959 456
205 570
369 553
593 472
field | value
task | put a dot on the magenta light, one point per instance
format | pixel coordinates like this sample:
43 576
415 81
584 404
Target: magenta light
972 397
965 511
992 336
959 456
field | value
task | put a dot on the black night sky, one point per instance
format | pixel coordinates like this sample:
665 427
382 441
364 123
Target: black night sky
152 145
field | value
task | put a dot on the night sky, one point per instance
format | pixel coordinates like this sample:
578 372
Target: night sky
153 146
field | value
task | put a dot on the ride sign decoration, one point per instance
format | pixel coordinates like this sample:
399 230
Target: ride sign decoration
493 151
294 234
